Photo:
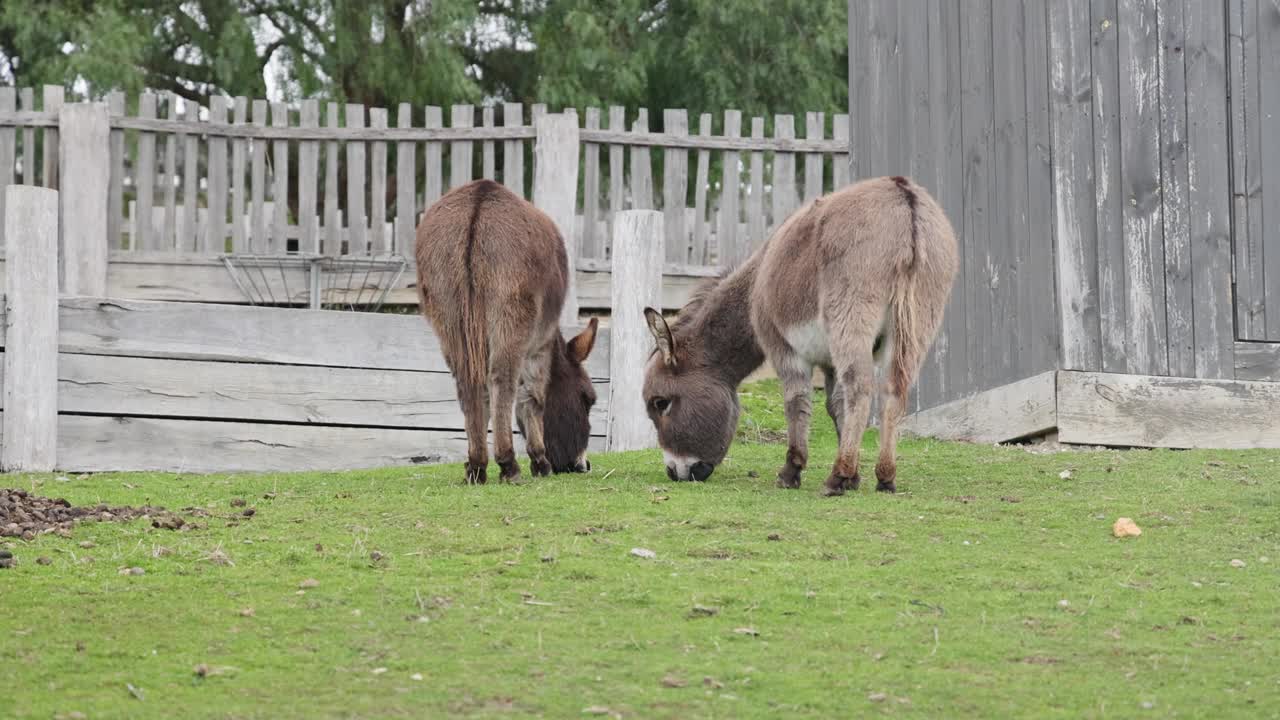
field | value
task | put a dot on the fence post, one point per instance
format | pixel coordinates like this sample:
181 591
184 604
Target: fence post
29 438
83 131
638 255
555 190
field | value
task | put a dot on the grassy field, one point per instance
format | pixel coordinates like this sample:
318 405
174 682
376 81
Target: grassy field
991 586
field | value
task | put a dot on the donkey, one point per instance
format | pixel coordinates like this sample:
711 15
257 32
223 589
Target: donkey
492 276
856 278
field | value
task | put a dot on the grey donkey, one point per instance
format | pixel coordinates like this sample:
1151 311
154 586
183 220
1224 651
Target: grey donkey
852 280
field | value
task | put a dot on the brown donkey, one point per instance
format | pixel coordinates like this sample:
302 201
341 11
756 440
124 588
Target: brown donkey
492 276
855 278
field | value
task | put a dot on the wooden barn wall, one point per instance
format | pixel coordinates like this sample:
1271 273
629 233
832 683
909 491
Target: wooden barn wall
1097 172
1254 58
958 99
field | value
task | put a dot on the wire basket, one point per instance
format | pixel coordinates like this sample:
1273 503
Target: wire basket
359 284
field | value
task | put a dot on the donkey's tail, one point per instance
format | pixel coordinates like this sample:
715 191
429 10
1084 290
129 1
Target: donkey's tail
913 325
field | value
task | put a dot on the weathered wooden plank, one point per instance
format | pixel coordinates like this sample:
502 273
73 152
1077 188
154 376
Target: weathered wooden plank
555 186
308 173
592 245
946 183
434 187
1146 336
675 187
1008 254
357 222
53 97
379 242
1258 361
756 223
144 177
332 213
27 99
162 387
1042 305
815 129
1174 189
1109 210
1248 260
280 182
227 333
487 150
1209 183
169 240
513 150
259 241
88 443
115 192
617 169
784 173
840 160
1150 411
8 150
1267 27
460 150
1018 410
637 284
85 172
976 220
215 234
1075 224
641 167
31 358
700 252
731 246
190 233
406 191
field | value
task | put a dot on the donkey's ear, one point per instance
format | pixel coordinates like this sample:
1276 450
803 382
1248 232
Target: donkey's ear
662 334
580 346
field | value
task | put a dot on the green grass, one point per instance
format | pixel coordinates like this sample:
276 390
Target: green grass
945 600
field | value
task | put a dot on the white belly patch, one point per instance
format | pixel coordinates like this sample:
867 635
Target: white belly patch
809 341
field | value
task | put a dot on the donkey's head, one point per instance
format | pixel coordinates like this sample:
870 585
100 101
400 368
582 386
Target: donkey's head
693 406
566 425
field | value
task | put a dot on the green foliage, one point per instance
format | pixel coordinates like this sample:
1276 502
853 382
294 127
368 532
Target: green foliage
945 600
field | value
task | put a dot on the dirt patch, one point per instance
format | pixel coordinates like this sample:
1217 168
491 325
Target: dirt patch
25 515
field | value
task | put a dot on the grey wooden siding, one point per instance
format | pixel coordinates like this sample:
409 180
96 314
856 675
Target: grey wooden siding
1097 171
1254 58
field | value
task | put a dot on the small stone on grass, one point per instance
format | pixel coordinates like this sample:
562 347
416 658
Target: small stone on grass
645 553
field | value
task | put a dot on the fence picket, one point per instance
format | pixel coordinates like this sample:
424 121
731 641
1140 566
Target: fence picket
144 177
406 170
357 243
700 253
27 102
115 185
332 214
239 147
784 172
460 150
675 186
815 129
8 149
190 182
487 166
280 186
755 201
727 239
54 95
215 232
840 161
591 242
308 173
435 159
170 237
513 150
379 242
260 240
641 167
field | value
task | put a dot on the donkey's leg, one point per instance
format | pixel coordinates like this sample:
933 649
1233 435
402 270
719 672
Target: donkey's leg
857 372
893 407
835 398
504 368
530 404
474 399
796 376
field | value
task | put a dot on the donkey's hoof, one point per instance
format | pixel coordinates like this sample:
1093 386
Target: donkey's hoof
886 486
509 472
540 466
477 474
885 475
839 484
789 476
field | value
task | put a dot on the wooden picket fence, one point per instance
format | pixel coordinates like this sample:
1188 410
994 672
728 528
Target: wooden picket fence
246 176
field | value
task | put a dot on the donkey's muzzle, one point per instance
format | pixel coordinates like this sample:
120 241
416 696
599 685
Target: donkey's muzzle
701 470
